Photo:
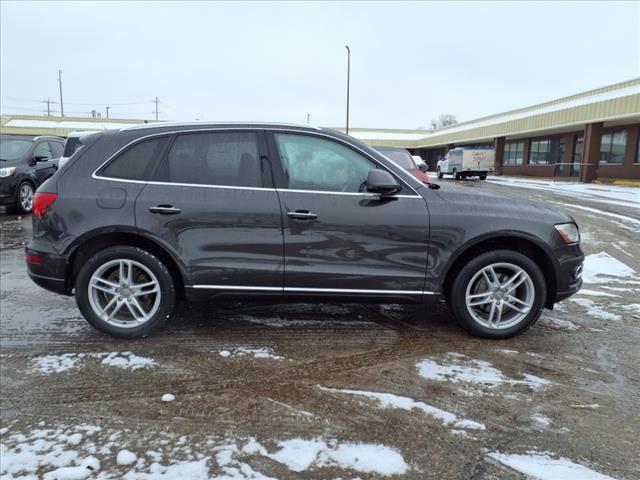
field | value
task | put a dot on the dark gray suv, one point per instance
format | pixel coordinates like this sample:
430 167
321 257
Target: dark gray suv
141 217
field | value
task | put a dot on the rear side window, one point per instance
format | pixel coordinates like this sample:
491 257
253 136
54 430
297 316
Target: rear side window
135 163
214 158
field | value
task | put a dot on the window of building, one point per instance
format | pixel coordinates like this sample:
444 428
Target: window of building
135 163
313 163
613 147
513 153
540 153
214 158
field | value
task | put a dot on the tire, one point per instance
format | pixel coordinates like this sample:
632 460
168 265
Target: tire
24 197
440 174
483 177
456 175
156 299
478 319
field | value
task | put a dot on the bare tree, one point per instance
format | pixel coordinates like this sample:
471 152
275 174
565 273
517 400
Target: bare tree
444 120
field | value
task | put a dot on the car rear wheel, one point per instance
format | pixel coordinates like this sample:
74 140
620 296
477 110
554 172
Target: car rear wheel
125 291
498 294
24 197
456 175
483 177
440 174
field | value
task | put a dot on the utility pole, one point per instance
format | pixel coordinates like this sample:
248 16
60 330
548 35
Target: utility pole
308 114
156 102
108 111
348 81
60 82
48 101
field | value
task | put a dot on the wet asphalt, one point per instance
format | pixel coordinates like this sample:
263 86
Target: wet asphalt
590 406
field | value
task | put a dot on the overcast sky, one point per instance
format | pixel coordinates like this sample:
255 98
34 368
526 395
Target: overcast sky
279 61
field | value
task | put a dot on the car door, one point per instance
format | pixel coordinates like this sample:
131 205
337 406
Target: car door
339 239
44 165
212 203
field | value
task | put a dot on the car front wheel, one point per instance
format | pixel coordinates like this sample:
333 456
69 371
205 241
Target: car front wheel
498 294
440 174
24 197
125 291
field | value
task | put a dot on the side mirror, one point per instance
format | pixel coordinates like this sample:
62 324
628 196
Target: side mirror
423 167
381 181
40 159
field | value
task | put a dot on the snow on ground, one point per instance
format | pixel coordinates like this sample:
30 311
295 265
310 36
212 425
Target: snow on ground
558 323
256 352
543 466
389 400
593 310
53 454
624 218
458 368
66 361
596 293
612 194
168 397
542 420
603 268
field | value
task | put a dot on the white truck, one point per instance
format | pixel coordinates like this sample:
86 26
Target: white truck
465 162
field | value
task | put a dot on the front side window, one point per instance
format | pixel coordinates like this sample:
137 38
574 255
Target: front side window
312 163
43 151
513 153
613 146
56 148
214 158
136 162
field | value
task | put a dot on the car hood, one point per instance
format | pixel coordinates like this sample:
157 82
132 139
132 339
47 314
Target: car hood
483 202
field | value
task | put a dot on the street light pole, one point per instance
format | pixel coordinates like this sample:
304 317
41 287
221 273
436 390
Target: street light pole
348 81
108 111
60 82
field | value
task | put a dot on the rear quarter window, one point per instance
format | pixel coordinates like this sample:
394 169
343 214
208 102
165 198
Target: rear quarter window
136 162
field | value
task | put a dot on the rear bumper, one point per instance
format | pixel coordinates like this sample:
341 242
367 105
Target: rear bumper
48 271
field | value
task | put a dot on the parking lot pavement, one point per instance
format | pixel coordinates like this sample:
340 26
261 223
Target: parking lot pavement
330 391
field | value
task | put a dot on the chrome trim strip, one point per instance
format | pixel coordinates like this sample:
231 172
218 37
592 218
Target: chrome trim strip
303 290
366 194
256 128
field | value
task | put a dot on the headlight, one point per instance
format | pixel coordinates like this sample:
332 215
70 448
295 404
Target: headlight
569 232
7 172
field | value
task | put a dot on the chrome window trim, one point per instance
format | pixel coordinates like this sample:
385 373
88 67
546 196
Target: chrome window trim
255 129
309 290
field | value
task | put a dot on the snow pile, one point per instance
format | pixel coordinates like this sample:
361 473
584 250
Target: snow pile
388 400
543 466
257 352
300 455
168 397
603 268
67 361
126 457
458 368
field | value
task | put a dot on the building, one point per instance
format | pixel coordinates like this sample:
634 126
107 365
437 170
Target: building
588 136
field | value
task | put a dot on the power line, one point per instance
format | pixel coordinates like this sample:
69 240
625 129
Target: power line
19 99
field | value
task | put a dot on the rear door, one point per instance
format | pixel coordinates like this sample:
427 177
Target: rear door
212 203
339 239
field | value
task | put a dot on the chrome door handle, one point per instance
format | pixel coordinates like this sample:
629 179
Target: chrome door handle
165 210
302 215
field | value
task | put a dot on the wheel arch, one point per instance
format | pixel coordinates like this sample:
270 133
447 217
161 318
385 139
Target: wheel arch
515 241
91 244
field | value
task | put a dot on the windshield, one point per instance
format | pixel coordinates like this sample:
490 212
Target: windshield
401 157
13 149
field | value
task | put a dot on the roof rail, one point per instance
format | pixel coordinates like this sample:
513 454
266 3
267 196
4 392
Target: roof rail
204 123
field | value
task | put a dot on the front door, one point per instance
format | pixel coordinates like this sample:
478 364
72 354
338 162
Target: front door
338 238
44 165
213 204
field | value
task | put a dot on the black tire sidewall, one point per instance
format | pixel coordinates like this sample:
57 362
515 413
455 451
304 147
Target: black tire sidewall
167 290
18 204
458 290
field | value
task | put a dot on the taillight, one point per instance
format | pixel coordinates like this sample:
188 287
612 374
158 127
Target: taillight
42 202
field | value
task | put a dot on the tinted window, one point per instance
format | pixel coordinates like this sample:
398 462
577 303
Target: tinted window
215 158
135 163
56 148
71 146
43 150
313 163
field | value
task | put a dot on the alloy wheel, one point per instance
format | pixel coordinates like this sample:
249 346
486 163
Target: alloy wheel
124 293
500 295
26 197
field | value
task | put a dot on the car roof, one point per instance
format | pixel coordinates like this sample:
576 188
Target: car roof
180 125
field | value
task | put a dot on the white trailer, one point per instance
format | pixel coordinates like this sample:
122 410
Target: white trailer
465 162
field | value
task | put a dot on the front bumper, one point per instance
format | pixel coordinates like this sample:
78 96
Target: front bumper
8 190
569 273
48 271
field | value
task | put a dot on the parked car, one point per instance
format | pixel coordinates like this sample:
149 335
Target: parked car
72 144
26 162
420 163
463 162
403 158
141 217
